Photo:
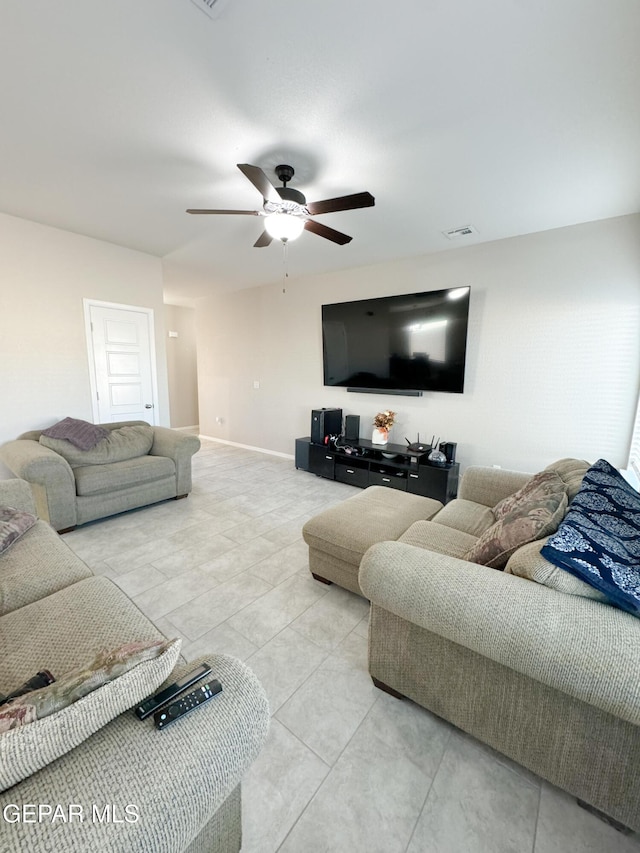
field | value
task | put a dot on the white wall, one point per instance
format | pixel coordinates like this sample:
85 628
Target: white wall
182 368
553 357
44 275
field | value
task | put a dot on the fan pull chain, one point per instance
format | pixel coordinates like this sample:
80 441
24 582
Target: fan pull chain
285 270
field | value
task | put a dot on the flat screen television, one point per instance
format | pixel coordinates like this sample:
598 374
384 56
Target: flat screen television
398 344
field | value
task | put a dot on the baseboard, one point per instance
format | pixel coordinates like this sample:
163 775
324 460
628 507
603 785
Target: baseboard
184 429
249 447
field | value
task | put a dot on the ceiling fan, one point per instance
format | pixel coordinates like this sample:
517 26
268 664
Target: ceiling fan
287 211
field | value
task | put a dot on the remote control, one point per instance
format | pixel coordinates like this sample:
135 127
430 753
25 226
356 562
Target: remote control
187 703
152 703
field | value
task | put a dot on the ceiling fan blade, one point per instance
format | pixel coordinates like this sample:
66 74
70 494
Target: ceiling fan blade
328 233
345 202
260 181
236 212
263 240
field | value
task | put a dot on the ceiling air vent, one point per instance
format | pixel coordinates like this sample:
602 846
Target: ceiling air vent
206 6
460 233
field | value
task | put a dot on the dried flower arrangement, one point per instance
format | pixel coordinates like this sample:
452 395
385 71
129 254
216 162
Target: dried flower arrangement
384 420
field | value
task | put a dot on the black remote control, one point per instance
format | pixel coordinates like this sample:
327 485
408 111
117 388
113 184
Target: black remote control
152 703
187 703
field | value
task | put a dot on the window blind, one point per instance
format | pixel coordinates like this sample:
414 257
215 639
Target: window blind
634 452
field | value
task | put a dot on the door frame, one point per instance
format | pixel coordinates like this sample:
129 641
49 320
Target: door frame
93 384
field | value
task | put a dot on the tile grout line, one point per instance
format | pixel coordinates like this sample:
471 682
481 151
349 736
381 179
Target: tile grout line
332 767
433 779
535 826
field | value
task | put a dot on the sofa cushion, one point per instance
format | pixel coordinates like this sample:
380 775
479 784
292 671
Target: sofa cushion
468 516
527 562
81 434
43 725
571 472
80 619
599 540
127 442
434 536
36 566
533 520
539 486
487 486
100 479
13 524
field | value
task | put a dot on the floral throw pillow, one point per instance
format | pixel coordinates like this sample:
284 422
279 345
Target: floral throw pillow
13 523
599 540
40 726
540 485
73 685
82 434
532 520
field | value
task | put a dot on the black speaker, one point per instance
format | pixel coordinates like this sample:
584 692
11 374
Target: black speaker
352 427
325 422
302 453
449 450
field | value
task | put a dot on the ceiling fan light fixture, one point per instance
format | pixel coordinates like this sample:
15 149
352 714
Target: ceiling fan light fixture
284 226
286 211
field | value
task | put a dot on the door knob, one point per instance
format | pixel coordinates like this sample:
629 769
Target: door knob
148 406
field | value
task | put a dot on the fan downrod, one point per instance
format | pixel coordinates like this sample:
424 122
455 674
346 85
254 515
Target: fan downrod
284 173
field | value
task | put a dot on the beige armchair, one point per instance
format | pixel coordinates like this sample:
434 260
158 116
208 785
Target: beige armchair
67 495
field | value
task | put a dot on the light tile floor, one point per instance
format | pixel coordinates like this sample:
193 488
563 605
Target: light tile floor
346 767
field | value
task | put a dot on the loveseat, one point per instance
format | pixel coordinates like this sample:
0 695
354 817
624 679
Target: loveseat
181 785
530 660
134 466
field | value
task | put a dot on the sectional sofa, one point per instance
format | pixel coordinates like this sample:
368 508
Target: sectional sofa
528 658
182 785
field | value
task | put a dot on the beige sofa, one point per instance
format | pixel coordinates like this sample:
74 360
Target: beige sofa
184 782
69 493
529 660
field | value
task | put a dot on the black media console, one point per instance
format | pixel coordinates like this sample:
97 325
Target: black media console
368 464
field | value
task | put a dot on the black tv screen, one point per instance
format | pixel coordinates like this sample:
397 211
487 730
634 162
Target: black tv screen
414 342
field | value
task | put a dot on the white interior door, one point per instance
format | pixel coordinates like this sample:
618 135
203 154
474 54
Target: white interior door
123 355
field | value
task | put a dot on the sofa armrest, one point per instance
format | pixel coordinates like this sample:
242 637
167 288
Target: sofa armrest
17 493
169 782
487 486
585 648
50 476
180 447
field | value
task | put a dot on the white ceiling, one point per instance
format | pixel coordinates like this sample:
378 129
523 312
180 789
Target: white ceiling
512 115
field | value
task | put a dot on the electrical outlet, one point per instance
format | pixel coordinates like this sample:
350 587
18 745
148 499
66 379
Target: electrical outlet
256 384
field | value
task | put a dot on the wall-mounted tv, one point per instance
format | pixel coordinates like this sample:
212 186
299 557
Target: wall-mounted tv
397 344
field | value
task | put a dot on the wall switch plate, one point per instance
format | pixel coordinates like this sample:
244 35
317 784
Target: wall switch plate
256 384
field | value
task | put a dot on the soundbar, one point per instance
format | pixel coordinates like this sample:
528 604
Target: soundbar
396 391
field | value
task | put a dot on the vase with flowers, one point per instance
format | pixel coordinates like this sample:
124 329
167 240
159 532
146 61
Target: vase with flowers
382 423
